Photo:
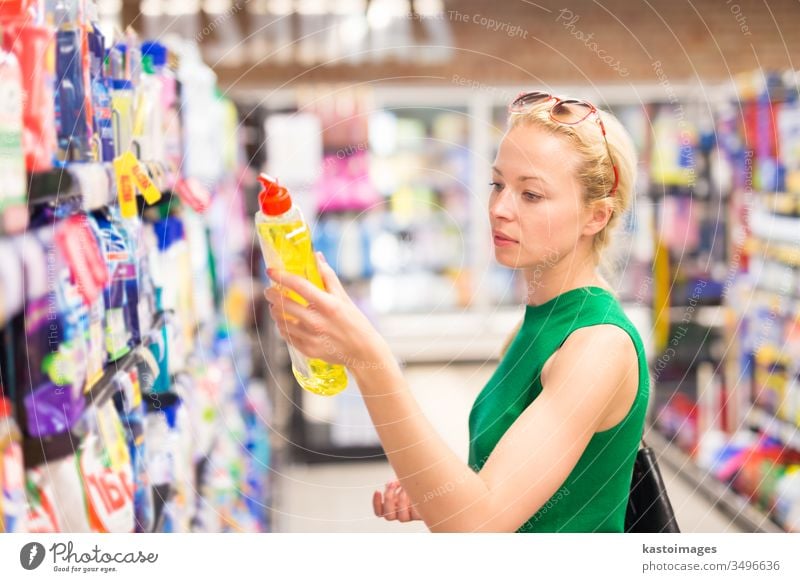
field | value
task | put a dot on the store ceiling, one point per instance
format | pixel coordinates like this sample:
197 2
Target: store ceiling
271 43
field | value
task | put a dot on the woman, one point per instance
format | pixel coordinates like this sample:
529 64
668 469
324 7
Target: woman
554 433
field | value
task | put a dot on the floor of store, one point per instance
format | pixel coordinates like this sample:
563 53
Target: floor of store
337 497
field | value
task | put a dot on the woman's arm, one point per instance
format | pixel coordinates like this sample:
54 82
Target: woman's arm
531 460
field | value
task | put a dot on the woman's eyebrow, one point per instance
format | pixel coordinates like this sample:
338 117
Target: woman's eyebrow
523 178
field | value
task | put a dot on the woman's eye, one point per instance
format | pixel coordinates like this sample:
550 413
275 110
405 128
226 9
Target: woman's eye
532 196
496 186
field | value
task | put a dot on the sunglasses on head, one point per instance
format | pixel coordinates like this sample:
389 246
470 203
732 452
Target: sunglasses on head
567 112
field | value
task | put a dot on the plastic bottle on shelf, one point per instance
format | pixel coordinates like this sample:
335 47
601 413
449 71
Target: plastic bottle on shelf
32 44
286 243
13 192
787 499
148 112
72 106
166 140
103 141
121 97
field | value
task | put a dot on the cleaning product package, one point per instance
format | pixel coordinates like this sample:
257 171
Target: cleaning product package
129 403
13 186
106 470
32 44
13 506
55 495
161 467
73 122
103 136
51 393
286 244
120 267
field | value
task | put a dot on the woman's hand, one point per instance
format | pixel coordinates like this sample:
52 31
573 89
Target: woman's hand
330 327
394 504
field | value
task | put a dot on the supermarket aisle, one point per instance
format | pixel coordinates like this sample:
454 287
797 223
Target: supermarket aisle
337 497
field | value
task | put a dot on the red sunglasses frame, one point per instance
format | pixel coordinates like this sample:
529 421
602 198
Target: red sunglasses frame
531 97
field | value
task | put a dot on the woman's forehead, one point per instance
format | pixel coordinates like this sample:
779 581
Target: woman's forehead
531 151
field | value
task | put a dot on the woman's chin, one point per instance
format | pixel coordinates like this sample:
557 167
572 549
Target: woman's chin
506 259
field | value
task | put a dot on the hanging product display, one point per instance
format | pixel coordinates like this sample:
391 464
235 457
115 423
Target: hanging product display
119 379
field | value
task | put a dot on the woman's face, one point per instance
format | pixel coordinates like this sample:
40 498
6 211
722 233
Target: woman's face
536 206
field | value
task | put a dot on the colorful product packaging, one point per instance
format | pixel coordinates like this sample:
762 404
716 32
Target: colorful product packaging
106 471
13 507
13 186
33 46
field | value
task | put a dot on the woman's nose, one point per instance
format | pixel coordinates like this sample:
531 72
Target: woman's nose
502 206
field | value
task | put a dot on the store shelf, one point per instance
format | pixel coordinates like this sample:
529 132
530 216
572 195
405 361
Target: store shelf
736 507
775 427
104 387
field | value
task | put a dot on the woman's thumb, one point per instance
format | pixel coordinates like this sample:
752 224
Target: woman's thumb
332 283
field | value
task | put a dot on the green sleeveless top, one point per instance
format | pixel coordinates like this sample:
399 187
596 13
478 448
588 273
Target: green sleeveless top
594 497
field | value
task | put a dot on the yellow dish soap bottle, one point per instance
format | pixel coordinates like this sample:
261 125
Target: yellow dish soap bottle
286 244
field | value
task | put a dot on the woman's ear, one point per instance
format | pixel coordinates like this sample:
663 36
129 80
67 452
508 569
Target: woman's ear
599 213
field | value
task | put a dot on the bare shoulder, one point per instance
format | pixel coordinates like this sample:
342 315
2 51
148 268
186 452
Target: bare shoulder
600 357
596 346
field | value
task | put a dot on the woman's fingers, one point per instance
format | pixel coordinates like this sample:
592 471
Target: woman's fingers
303 287
286 308
332 283
390 503
403 506
394 504
377 504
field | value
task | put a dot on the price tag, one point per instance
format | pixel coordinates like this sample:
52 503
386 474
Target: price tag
141 178
126 192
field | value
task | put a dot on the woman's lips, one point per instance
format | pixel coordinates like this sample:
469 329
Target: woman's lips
501 240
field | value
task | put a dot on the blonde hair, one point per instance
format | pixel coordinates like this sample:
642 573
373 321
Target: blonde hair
595 173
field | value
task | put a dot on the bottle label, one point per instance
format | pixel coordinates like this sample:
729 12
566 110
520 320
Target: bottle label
109 489
271 256
12 484
13 187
